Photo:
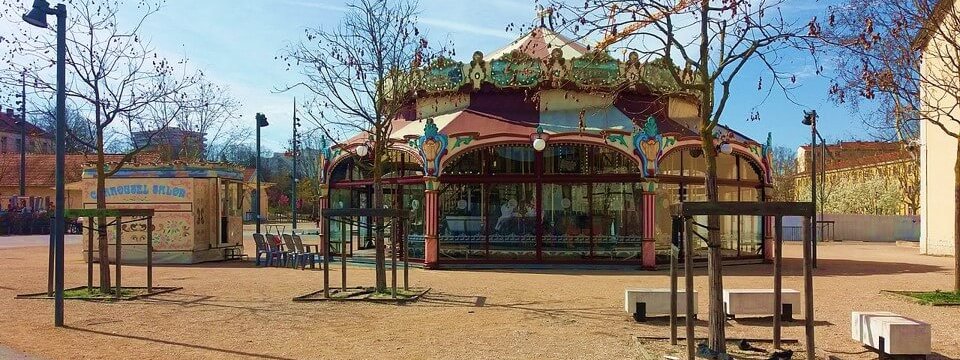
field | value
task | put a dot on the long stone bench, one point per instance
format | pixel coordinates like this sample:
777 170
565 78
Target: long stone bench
890 333
655 302
759 302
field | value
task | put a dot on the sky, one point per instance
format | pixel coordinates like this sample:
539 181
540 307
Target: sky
236 42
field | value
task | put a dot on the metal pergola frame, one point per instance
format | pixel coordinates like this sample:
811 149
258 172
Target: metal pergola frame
683 223
118 215
344 216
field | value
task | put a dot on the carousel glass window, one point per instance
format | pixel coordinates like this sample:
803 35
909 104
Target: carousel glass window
511 160
512 210
694 164
566 159
566 218
616 225
671 164
470 163
401 164
610 161
461 221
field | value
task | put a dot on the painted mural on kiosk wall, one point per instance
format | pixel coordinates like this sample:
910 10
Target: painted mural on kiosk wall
171 198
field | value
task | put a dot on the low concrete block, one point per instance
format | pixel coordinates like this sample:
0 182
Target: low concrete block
890 333
758 301
657 301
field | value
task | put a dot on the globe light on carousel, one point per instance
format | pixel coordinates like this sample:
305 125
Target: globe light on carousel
362 150
539 143
726 148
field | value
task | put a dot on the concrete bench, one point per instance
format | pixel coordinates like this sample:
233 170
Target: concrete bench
643 303
890 333
759 302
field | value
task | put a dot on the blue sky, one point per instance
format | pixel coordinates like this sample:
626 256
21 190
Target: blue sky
235 42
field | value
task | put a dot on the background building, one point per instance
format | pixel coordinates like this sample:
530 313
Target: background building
38 141
939 92
172 143
864 178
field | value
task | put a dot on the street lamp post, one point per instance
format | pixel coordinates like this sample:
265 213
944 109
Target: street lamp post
38 17
261 122
810 119
296 178
23 134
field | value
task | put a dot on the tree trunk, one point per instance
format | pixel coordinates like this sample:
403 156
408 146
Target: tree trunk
381 259
956 216
718 319
102 245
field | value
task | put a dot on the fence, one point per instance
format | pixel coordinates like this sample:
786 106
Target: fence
852 227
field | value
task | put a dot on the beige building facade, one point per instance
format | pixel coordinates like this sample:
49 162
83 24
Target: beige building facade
939 92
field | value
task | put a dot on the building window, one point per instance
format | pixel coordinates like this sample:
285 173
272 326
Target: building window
3 145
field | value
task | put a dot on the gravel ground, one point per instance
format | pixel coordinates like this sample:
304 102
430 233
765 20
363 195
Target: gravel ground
233 310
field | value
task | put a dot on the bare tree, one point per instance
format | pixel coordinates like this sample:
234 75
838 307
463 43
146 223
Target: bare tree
213 112
906 56
116 76
784 172
363 73
712 41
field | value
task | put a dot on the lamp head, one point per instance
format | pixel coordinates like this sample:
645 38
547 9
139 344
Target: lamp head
262 120
809 117
38 15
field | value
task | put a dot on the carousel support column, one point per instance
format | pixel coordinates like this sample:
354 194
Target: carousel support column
431 221
649 205
768 239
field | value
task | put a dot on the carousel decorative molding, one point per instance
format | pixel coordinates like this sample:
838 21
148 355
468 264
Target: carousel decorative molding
648 144
432 147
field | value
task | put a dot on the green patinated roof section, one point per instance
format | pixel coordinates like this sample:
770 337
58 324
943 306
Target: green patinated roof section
592 71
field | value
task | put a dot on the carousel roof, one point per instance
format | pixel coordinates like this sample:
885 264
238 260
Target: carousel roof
538 43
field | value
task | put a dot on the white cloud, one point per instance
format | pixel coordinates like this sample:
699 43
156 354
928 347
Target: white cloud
463 28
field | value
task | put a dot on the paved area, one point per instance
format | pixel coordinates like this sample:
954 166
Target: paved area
232 310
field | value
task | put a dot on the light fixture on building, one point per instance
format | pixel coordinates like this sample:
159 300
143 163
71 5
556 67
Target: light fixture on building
539 143
362 150
726 148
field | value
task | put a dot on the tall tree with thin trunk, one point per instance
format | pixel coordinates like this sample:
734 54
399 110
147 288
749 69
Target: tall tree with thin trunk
906 56
115 77
362 74
711 42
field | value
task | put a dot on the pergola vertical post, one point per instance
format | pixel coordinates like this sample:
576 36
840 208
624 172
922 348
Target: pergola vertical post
406 254
118 256
343 254
89 229
649 206
688 286
393 257
777 279
675 232
149 254
808 289
431 245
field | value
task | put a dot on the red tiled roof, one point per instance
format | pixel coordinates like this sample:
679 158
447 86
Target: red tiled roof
8 123
41 167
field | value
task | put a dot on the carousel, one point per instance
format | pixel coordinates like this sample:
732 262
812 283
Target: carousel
546 153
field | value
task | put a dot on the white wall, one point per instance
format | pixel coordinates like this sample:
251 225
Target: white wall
938 152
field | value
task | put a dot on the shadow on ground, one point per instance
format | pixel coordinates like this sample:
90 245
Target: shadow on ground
174 343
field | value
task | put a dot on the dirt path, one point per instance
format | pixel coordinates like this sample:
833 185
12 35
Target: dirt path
233 310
